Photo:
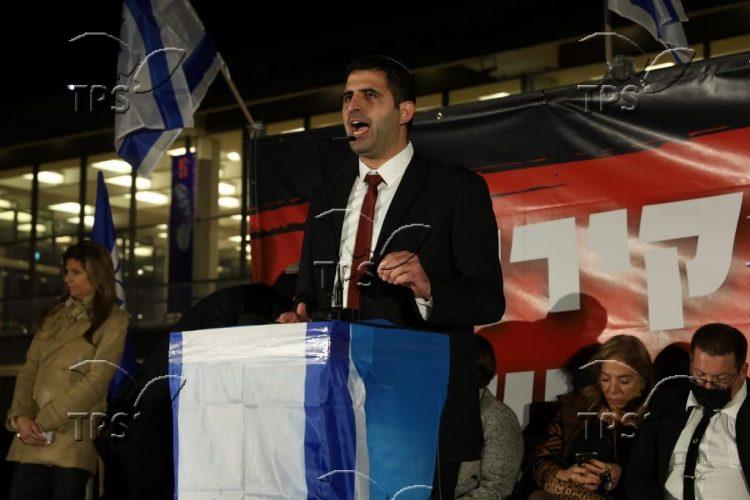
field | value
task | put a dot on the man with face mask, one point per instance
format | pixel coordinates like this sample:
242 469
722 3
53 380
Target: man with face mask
694 443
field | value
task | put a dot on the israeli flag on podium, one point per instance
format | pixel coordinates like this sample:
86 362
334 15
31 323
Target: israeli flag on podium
327 410
165 66
662 18
104 234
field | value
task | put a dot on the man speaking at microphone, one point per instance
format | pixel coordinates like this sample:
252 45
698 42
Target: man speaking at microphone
417 244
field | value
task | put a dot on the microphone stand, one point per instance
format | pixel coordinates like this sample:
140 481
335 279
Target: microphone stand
336 311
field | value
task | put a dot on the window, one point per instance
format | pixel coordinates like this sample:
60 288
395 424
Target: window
286 127
57 221
569 76
153 200
229 204
17 312
15 204
483 92
326 120
15 234
729 46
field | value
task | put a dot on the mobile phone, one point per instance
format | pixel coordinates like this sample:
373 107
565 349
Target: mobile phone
586 457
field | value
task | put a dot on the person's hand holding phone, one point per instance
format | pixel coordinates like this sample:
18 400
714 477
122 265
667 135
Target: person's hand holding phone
600 468
30 432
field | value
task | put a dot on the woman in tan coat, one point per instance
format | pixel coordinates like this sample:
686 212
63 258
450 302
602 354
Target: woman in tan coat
67 371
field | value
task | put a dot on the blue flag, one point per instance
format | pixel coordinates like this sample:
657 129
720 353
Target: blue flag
165 66
662 18
318 410
104 233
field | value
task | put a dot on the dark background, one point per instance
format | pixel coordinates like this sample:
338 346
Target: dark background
274 48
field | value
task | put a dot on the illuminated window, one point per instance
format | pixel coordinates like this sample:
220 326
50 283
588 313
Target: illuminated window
728 46
326 120
495 90
286 127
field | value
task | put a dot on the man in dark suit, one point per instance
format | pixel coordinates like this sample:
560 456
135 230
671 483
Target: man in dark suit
417 244
695 440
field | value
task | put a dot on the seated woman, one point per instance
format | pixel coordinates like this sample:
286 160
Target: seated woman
495 474
68 368
588 442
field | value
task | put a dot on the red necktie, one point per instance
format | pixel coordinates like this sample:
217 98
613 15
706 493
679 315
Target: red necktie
364 239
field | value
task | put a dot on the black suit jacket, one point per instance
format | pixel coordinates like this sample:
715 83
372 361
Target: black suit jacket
648 466
459 252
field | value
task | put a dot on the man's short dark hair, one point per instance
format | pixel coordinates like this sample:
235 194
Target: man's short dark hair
486 363
397 76
718 339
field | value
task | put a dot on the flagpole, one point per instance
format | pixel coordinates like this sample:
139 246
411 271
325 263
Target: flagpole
237 96
607 29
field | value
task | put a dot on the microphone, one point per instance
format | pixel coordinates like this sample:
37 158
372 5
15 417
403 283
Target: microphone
335 310
342 138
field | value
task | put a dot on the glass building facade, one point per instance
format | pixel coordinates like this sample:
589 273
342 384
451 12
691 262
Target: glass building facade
47 206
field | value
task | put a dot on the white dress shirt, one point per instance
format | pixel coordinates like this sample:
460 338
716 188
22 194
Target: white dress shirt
718 473
392 171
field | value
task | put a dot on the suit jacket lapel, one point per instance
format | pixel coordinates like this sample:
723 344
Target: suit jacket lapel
340 186
671 427
677 422
408 190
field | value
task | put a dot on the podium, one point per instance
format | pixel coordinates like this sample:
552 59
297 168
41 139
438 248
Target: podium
319 410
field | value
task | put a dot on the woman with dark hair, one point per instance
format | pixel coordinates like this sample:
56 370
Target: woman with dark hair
494 475
588 442
68 368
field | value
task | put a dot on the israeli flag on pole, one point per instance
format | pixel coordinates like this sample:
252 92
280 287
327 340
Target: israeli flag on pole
318 410
166 64
104 234
662 18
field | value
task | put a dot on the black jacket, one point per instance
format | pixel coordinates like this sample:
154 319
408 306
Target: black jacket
648 468
459 252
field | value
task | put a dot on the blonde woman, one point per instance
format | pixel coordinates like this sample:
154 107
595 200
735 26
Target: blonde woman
588 442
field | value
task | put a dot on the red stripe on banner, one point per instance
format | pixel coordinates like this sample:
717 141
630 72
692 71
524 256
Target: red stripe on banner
273 254
530 338
710 162
277 240
612 300
278 218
